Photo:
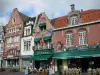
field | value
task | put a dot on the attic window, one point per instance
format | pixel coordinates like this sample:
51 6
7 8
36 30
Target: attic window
13 20
74 20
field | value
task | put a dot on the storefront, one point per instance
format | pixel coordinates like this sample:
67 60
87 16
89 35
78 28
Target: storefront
11 61
26 60
81 57
42 58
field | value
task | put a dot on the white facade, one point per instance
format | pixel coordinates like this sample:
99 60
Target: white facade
27 52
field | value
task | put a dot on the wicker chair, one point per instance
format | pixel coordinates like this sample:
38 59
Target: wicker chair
89 71
94 72
67 72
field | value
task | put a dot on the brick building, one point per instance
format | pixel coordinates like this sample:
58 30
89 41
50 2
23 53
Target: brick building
77 39
43 42
13 34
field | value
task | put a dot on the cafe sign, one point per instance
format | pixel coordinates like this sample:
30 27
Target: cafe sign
44 51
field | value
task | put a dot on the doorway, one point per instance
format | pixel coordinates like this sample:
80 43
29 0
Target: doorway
37 64
59 65
84 64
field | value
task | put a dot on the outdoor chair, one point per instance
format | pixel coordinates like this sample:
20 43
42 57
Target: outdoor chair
94 72
67 72
89 71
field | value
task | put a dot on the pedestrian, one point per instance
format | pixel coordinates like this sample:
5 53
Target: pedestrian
26 70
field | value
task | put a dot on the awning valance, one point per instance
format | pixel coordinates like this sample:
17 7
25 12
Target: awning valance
47 37
37 39
79 54
41 57
42 24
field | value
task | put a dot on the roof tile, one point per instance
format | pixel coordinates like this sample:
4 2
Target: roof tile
86 16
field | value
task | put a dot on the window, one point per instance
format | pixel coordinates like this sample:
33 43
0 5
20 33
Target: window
48 44
27 45
28 31
37 45
74 20
43 28
82 38
69 39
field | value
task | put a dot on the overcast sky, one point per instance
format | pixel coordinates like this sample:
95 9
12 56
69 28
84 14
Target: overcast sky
53 8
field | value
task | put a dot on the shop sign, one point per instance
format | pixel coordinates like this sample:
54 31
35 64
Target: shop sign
10 56
47 51
96 55
82 47
78 57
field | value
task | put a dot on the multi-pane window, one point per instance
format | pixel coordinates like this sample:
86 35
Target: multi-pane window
38 46
82 38
74 20
27 31
27 45
48 44
69 40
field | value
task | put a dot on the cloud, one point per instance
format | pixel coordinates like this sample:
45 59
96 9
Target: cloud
53 8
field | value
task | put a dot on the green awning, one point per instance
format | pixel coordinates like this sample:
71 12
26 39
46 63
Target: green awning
36 39
41 57
42 24
47 37
80 54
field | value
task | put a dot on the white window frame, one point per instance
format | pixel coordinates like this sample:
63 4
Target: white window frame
48 44
74 20
38 45
82 38
27 45
69 39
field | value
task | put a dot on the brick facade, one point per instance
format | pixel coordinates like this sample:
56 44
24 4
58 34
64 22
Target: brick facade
17 28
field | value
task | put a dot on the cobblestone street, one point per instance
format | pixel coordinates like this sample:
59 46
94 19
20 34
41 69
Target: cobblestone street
11 73
22 73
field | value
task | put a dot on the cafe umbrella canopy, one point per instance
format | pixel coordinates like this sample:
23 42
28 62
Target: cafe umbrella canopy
87 52
80 54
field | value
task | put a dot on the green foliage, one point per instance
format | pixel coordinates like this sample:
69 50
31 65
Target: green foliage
13 69
2 69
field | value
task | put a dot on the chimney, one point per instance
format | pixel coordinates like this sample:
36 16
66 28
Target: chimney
15 9
81 10
72 7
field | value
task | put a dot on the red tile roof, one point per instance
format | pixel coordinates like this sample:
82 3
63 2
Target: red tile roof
86 16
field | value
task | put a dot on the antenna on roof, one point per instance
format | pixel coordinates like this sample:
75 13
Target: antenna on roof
53 15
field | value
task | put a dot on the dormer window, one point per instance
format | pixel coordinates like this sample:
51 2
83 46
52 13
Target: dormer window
42 26
30 23
27 31
13 20
74 20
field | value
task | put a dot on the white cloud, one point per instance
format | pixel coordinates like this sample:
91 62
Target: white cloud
51 7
